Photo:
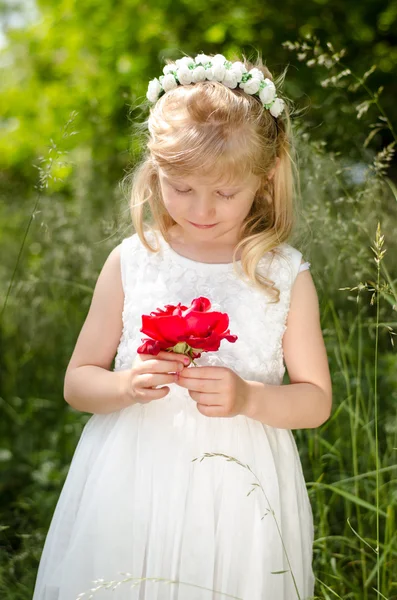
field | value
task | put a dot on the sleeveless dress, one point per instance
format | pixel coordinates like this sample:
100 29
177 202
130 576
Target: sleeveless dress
136 505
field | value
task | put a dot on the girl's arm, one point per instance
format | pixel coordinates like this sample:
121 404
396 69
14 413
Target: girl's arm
307 400
90 385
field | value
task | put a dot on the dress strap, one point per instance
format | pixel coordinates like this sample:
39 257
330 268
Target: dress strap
129 260
304 267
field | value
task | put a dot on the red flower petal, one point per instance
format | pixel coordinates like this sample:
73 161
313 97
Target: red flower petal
201 304
231 338
212 342
169 309
149 347
199 324
164 328
150 327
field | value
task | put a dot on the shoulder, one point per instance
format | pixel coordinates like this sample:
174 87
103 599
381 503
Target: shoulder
304 298
304 309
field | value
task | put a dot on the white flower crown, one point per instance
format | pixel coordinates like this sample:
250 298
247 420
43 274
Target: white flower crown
187 70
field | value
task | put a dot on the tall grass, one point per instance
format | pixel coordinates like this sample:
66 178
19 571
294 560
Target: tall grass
354 470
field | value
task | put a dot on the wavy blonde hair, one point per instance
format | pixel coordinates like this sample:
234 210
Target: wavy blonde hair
193 127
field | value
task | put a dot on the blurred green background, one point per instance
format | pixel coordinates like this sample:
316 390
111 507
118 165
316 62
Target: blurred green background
74 75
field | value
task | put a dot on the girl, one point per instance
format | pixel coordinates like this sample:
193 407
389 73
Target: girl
217 177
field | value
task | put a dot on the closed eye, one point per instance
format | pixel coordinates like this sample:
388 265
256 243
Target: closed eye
187 191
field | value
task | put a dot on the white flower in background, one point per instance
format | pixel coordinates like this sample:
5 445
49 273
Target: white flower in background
277 107
218 59
169 83
230 79
185 61
238 68
154 90
219 72
184 75
251 86
198 74
268 93
256 74
169 68
202 58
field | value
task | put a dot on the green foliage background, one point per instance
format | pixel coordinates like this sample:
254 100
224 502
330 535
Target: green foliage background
74 76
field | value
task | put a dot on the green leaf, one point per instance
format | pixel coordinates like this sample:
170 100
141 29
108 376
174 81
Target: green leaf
354 499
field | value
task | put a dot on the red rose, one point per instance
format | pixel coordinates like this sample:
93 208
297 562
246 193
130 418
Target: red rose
187 330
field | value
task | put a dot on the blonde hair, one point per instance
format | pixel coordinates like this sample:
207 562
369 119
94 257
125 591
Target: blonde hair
193 127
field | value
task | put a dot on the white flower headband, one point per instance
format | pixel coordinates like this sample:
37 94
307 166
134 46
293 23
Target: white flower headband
187 70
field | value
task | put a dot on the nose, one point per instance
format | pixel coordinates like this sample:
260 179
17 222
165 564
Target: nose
203 210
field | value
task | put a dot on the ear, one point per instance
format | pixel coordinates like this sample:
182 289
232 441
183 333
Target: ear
272 172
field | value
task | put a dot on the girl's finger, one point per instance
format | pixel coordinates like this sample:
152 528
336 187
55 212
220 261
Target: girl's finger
206 386
173 356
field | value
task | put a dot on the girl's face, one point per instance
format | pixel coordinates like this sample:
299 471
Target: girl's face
197 200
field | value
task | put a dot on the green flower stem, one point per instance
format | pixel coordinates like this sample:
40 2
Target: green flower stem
378 258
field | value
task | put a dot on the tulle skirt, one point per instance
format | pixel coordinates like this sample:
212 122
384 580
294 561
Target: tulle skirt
234 523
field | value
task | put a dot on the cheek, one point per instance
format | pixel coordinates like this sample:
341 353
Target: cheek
246 206
172 204
241 209
169 200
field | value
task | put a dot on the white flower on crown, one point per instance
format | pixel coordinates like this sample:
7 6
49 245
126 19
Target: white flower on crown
218 59
202 58
168 82
169 69
230 79
209 74
277 107
251 86
154 90
198 74
218 72
268 93
185 61
256 74
184 75
238 68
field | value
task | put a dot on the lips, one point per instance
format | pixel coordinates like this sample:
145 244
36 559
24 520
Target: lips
202 225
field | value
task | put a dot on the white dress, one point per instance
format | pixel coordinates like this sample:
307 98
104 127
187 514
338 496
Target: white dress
136 502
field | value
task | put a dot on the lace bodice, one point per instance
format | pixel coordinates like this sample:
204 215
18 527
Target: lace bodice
152 280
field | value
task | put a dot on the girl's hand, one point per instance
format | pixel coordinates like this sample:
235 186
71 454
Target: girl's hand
148 372
218 391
